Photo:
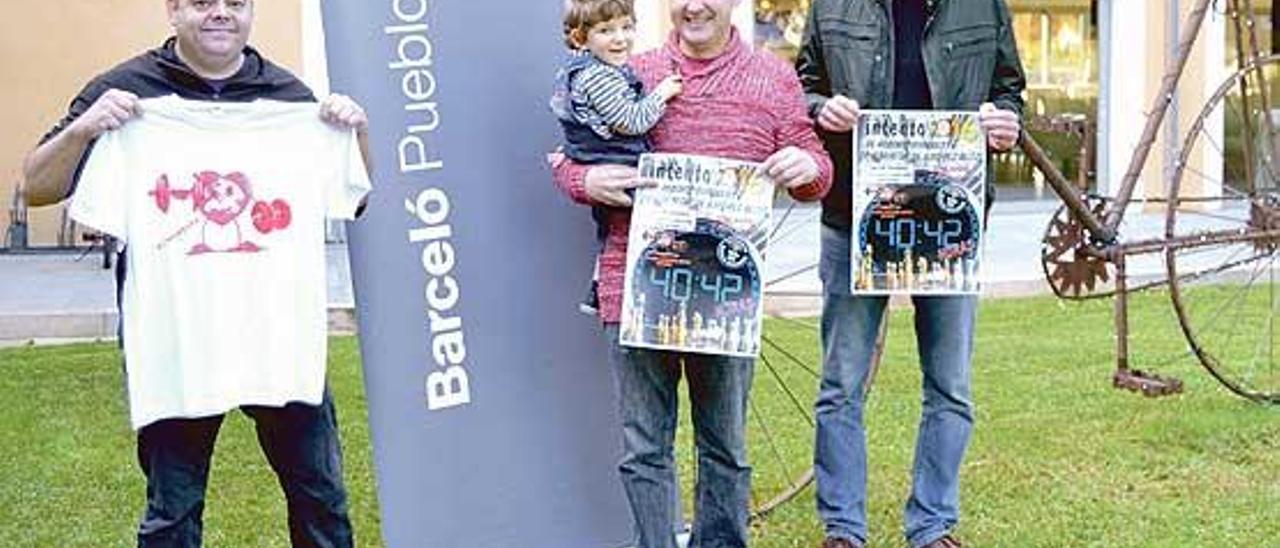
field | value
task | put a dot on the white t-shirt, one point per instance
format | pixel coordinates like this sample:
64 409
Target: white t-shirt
222 206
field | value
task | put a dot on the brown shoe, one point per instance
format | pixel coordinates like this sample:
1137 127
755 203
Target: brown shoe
947 541
837 542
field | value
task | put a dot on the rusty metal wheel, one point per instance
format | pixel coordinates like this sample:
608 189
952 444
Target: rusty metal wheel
780 429
1223 227
1073 275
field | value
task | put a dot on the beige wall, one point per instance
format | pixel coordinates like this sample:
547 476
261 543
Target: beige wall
1204 70
50 48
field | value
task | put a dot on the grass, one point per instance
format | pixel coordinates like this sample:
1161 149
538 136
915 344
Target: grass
1058 458
68 465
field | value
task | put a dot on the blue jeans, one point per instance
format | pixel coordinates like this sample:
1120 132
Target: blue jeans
300 442
944 336
646 383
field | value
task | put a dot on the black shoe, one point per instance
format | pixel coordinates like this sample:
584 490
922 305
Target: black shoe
590 304
947 541
837 542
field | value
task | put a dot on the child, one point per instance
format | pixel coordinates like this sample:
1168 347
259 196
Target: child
598 99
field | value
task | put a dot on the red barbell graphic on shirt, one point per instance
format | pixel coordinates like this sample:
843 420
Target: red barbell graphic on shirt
273 216
219 201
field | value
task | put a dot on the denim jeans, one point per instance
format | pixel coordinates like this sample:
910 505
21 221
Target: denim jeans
944 335
646 382
300 442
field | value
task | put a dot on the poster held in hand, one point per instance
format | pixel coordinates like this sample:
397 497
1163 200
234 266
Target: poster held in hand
918 200
695 256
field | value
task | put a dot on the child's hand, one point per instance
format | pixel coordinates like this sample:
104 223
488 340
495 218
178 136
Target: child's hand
670 86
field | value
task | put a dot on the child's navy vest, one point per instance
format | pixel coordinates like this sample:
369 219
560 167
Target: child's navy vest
588 139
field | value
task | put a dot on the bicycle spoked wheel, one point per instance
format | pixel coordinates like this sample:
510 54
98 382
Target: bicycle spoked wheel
780 420
780 428
1223 227
781 425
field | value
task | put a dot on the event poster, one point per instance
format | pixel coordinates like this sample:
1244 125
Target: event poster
695 256
918 202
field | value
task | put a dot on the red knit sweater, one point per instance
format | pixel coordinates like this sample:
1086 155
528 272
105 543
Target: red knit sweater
743 104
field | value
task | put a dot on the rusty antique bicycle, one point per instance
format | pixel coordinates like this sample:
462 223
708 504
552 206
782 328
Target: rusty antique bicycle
1221 230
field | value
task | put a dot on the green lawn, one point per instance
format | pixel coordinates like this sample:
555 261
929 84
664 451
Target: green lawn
1058 457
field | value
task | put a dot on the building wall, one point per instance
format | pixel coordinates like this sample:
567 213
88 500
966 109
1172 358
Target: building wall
50 49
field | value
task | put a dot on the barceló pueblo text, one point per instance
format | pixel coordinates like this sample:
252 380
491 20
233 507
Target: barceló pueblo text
447 383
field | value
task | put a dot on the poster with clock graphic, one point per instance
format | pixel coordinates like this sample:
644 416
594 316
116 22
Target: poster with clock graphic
918 202
695 256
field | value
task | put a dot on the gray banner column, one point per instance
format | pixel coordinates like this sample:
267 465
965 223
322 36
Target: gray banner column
490 400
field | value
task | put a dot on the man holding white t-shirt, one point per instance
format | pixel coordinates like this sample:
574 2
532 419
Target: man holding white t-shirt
221 203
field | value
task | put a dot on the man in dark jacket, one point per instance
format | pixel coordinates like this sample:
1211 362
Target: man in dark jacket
899 54
207 59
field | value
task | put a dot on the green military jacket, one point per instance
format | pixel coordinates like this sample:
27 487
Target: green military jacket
969 54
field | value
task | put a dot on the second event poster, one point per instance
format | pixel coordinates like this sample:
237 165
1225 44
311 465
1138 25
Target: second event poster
918 202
